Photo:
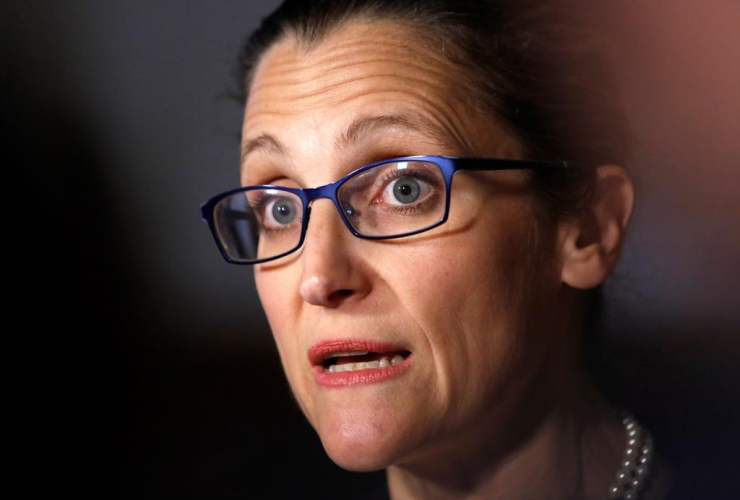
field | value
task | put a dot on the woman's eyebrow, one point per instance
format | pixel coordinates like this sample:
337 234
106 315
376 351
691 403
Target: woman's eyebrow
355 132
263 142
367 125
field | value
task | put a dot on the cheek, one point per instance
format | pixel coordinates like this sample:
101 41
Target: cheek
469 277
276 307
473 295
276 290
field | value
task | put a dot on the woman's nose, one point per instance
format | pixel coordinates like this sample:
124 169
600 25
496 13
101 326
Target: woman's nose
331 274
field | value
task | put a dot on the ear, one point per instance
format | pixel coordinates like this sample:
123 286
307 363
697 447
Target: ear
591 243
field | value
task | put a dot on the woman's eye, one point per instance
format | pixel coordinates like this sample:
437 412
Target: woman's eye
405 191
279 212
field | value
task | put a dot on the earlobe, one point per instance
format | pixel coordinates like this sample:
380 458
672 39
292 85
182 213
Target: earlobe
592 242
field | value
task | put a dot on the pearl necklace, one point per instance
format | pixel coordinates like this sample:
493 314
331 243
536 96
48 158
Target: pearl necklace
632 476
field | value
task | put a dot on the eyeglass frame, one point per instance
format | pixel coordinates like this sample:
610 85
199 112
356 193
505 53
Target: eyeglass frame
449 165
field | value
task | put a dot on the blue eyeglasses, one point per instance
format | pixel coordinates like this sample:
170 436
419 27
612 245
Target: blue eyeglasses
384 200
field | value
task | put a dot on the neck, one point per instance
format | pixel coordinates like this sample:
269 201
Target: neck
568 450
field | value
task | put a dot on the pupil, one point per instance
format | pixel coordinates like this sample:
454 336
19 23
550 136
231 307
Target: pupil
283 211
406 190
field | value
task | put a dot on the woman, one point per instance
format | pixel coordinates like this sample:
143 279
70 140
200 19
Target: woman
429 327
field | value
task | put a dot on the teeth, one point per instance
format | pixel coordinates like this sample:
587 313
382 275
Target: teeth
351 367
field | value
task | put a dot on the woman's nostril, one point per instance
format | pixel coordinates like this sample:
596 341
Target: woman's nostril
339 295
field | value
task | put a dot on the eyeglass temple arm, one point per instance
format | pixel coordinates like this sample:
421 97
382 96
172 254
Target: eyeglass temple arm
505 164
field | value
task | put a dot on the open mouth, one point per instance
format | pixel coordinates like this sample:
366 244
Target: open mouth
349 362
364 360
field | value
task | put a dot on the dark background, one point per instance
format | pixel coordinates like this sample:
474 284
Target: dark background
142 363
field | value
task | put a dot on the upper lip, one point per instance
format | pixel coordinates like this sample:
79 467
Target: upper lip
324 349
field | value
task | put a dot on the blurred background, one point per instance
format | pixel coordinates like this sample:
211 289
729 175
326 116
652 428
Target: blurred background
145 365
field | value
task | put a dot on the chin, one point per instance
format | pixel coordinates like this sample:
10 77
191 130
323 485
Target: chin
362 443
357 457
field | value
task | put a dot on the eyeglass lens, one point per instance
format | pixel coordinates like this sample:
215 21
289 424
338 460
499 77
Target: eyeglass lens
388 200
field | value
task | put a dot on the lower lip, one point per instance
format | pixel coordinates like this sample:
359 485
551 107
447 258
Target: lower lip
367 376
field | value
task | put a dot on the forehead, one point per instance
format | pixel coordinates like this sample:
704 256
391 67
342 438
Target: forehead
345 56
307 98
354 61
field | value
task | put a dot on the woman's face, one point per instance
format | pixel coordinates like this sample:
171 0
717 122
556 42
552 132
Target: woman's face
469 306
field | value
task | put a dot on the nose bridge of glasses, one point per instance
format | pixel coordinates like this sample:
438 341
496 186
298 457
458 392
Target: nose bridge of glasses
328 191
